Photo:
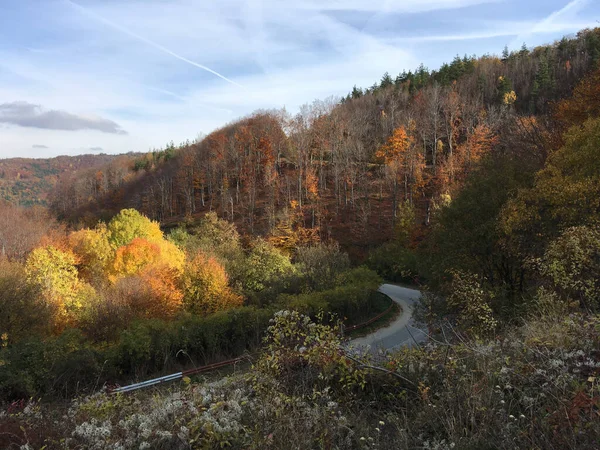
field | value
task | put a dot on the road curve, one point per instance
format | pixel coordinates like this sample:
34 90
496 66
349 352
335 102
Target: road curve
402 331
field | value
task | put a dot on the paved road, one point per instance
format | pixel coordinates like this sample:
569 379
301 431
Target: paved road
403 330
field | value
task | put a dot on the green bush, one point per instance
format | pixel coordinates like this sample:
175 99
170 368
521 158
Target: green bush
394 262
70 364
353 298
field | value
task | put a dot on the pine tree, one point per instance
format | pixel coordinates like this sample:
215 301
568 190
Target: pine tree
524 50
356 92
386 81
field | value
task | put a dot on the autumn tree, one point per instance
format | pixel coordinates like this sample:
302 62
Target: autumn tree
94 252
23 311
130 224
54 272
404 165
584 104
21 229
572 263
206 287
139 254
566 192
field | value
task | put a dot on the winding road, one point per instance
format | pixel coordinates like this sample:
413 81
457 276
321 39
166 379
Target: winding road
402 331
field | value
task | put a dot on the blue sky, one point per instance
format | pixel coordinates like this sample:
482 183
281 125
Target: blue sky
85 76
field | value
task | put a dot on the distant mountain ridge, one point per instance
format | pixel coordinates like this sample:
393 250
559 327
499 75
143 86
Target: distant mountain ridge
29 181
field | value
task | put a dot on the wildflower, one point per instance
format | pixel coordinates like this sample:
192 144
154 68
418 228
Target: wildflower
362 438
381 422
378 430
511 416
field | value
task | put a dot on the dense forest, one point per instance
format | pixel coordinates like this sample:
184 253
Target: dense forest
478 183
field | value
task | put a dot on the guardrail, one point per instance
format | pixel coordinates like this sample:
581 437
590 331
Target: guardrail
229 362
372 320
179 375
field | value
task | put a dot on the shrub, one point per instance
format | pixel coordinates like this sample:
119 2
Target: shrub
319 265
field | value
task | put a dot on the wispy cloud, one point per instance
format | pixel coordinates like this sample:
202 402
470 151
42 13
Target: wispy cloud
39 146
159 47
96 149
26 114
548 24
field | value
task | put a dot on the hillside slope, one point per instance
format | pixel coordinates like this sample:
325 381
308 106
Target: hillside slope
343 169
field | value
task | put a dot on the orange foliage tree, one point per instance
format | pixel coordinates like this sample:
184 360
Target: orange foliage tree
404 164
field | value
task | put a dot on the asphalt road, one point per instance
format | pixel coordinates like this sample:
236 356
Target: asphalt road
402 331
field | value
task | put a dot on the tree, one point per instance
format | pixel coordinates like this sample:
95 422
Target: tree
206 287
94 252
139 254
23 314
466 235
584 104
572 262
130 224
396 159
265 265
21 229
53 271
473 303
386 81
566 192
319 265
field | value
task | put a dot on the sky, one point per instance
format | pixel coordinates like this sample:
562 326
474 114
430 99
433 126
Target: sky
113 76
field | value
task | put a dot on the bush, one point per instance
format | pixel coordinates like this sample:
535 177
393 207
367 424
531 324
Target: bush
353 298
319 265
394 262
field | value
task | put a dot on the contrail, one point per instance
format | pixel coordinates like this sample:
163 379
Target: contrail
573 5
95 16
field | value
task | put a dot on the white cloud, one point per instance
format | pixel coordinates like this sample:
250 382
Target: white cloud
28 115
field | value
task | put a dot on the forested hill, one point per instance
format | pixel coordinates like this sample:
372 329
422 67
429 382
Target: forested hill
28 181
342 169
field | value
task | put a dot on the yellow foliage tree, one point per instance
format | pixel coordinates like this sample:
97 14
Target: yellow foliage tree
93 251
54 272
206 287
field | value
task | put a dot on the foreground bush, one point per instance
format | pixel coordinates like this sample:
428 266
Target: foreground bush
533 388
69 364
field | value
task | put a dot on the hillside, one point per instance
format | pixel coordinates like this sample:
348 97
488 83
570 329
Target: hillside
28 181
341 169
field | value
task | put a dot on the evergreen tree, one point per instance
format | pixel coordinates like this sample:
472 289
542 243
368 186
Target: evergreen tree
524 50
356 92
386 81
